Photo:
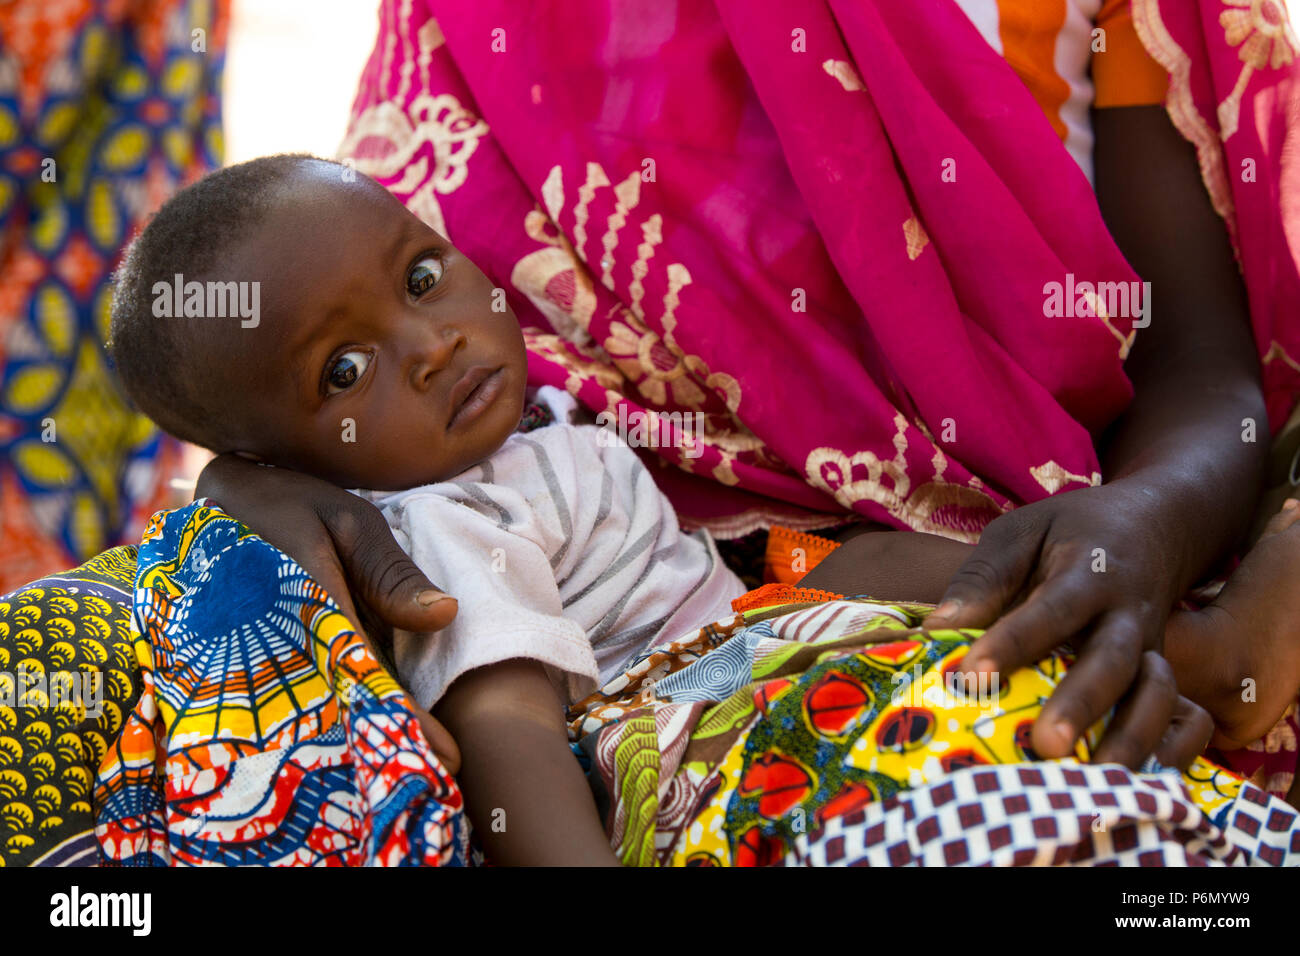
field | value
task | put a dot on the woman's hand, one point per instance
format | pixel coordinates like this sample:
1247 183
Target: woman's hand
344 543
1096 568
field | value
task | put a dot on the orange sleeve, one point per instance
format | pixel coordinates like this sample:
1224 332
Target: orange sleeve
778 564
1125 74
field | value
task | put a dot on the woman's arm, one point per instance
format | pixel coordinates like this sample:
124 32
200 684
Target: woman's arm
524 791
1102 567
1195 370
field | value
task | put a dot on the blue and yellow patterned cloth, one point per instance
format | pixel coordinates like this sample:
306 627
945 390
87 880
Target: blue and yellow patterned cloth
265 731
238 718
105 110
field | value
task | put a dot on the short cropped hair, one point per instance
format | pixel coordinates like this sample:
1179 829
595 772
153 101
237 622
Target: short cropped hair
189 235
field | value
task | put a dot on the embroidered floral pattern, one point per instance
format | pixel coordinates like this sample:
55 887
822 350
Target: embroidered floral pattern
429 144
584 363
937 506
1261 29
657 371
633 362
555 280
1260 26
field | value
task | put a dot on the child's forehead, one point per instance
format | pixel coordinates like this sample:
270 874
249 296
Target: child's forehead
331 185
323 233
313 217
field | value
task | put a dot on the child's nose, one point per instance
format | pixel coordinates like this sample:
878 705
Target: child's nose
433 352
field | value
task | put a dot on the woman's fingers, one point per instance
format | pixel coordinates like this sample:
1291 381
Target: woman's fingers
995 573
340 539
1057 610
381 574
1143 717
1109 661
328 573
1188 735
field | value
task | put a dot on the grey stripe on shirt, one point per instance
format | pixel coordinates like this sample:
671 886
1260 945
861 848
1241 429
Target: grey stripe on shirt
561 506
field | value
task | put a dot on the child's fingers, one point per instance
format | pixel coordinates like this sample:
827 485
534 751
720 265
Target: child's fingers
1143 719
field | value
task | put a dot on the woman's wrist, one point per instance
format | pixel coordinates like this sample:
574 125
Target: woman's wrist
1185 544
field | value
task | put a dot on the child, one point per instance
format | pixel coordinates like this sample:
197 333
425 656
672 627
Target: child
376 360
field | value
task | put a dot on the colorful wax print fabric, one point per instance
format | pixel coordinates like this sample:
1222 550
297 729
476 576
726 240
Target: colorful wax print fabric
833 733
266 732
106 109
68 678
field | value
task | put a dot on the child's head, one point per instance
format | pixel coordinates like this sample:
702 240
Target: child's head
374 358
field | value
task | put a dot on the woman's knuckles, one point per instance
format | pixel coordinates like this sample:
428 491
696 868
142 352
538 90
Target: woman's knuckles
981 580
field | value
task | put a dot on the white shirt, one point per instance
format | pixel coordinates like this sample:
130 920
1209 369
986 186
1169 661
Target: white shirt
558 548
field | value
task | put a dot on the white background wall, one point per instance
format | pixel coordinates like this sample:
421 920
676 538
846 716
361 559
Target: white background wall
291 72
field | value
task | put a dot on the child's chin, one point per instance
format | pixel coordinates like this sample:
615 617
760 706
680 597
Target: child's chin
420 478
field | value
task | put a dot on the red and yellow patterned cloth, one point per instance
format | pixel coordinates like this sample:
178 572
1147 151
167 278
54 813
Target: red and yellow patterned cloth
828 733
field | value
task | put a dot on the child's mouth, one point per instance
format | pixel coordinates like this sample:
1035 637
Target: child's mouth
474 394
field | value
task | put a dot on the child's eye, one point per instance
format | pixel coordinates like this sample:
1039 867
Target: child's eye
424 275
346 371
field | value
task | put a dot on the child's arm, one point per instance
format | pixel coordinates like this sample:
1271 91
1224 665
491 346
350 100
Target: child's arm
891 566
524 791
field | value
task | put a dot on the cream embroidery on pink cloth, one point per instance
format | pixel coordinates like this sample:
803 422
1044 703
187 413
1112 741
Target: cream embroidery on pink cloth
936 506
384 140
1054 477
845 74
1260 28
559 280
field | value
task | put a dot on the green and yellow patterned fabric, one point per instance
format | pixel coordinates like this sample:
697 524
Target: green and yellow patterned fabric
68 678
